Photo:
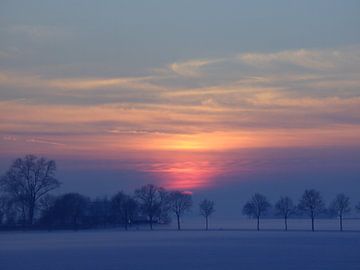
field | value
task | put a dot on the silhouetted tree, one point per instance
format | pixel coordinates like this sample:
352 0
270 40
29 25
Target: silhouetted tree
256 207
150 198
3 208
69 210
9 211
164 215
180 202
312 203
358 207
100 212
285 207
46 207
27 180
125 208
206 210
340 206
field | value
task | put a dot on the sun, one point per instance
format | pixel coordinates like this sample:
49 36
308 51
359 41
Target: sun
188 142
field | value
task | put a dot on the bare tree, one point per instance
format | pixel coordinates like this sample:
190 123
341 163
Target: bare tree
180 202
69 209
358 207
164 215
27 180
311 202
206 210
340 206
256 207
125 208
101 212
3 208
9 213
150 199
285 207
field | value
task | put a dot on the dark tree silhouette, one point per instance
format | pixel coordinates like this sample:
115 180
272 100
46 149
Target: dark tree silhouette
8 211
3 208
285 207
311 202
164 211
180 203
69 210
206 210
340 206
125 208
100 212
150 198
27 180
358 207
256 207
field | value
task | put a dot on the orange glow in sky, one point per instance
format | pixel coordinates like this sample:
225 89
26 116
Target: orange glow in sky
185 173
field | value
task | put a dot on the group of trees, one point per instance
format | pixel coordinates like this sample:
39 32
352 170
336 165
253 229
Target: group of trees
311 203
25 200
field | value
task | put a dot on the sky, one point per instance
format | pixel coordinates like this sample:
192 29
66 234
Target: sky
220 98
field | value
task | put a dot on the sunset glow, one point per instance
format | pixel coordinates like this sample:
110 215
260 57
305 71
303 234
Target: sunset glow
181 110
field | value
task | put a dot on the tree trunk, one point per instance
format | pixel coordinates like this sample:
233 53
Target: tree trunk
151 223
207 223
286 225
258 223
126 224
75 227
178 222
23 216
341 223
31 214
312 223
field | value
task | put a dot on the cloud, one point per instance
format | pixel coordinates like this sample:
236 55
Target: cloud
39 32
248 100
43 141
26 80
192 68
312 59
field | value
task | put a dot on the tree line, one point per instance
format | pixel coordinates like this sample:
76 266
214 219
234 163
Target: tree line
26 202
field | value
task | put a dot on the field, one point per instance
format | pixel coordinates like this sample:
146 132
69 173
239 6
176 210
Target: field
188 249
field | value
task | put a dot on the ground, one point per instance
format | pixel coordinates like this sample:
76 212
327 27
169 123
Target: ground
168 249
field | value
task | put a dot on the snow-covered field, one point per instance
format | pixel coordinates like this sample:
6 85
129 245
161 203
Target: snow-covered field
270 224
167 249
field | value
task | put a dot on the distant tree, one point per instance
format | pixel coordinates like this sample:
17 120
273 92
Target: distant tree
3 208
180 202
312 203
164 211
27 180
358 207
9 211
256 207
101 212
125 208
151 201
206 210
285 207
46 202
68 210
340 206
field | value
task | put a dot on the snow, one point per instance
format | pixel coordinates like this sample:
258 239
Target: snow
271 224
189 249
